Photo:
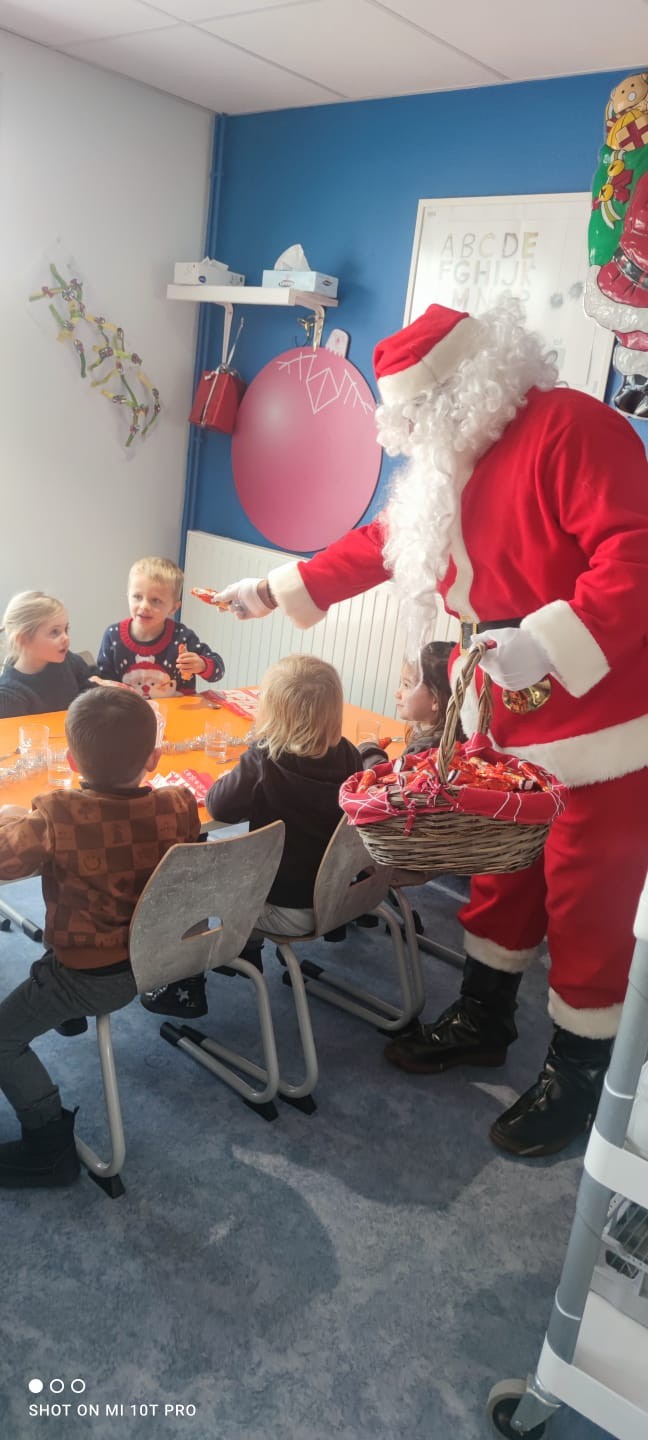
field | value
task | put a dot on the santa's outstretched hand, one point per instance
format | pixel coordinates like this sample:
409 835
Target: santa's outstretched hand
244 601
515 660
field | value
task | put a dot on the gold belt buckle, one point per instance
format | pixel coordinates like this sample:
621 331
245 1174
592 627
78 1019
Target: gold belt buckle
464 620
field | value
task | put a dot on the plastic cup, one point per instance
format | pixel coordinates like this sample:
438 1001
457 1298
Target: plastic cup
32 744
160 720
365 732
215 741
59 774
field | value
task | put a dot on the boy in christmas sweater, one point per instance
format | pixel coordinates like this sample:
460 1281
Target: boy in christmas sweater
153 653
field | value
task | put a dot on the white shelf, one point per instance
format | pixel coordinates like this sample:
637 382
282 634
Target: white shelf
230 295
250 295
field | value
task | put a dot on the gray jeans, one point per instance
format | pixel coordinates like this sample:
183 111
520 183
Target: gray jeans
51 995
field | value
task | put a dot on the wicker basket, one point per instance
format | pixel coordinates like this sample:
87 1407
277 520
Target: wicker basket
421 838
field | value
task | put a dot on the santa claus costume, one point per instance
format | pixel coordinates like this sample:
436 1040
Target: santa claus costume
525 506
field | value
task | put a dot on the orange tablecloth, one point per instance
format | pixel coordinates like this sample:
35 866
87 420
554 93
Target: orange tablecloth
185 719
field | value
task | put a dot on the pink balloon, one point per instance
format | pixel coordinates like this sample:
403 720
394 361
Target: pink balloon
304 451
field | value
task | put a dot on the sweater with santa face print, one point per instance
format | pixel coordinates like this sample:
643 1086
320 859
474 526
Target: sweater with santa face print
151 667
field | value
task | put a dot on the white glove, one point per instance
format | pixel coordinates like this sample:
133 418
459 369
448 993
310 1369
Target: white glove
519 660
243 601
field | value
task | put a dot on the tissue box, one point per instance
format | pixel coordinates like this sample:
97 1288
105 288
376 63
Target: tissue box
301 280
200 272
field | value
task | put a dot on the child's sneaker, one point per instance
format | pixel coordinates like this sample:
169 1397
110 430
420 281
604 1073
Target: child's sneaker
185 999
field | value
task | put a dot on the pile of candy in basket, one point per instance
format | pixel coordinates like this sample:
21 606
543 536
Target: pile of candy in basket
480 780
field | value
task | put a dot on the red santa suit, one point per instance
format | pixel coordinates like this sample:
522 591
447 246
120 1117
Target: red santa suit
552 530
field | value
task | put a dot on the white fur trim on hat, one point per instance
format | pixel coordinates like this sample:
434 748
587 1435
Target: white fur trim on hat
576 658
496 956
292 596
461 343
594 1024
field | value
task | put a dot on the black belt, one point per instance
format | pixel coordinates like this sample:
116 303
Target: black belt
468 628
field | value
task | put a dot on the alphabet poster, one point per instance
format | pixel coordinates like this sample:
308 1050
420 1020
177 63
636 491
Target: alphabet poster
469 253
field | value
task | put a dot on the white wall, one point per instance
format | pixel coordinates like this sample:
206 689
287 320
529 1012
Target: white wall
120 172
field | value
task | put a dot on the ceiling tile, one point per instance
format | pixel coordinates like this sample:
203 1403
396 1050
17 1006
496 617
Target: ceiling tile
353 46
526 41
198 67
214 9
62 22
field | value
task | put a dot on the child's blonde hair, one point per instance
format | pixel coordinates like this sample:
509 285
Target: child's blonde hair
300 707
156 567
22 617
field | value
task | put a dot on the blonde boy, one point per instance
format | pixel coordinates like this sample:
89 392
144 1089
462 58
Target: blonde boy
151 651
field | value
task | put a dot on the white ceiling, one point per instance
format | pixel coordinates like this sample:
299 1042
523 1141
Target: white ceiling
238 56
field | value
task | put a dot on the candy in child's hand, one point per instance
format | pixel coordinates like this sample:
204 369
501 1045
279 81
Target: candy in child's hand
367 778
384 740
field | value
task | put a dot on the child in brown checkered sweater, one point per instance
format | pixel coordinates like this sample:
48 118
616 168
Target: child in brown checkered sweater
95 848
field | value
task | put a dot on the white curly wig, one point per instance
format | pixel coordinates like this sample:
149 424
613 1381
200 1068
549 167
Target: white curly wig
443 433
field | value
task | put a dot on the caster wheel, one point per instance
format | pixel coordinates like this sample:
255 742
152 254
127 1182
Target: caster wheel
503 1402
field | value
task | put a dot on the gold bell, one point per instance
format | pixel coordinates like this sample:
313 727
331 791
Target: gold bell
522 702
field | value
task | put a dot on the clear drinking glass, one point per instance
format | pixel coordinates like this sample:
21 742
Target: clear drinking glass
32 744
215 741
59 774
160 720
366 731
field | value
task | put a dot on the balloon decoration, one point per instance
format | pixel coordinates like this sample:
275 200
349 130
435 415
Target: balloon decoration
304 451
617 286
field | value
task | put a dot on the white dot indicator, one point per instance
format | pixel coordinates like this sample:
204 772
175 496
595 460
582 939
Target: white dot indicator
35 1386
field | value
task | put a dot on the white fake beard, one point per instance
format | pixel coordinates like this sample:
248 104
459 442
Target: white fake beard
443 434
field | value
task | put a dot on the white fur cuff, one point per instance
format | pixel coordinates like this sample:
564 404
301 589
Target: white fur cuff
292 596
577 660
494 955
595 1024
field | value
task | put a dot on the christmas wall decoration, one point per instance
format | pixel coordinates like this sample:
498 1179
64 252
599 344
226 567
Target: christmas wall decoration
103 357
617 285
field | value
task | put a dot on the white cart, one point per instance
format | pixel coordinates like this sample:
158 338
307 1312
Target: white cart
595 1354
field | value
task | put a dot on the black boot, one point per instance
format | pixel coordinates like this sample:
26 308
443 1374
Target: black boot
562 1103
476 1030
185 999
44 1157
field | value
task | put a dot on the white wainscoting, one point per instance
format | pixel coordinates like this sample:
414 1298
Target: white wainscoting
361 637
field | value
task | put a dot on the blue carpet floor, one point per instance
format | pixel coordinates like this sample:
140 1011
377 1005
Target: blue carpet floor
366 1273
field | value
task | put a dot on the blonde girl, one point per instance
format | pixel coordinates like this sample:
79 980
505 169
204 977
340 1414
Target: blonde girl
292 772
39 671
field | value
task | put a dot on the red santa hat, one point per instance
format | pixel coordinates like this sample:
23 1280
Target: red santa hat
425 353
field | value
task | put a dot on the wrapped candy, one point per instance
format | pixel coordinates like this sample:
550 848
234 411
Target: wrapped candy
209 597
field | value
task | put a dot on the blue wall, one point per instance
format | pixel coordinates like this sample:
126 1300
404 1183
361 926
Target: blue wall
345 181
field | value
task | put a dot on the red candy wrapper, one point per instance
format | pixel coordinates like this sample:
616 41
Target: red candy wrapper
210 597
198 781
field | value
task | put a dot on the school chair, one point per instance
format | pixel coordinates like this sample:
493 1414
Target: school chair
173 937
349 884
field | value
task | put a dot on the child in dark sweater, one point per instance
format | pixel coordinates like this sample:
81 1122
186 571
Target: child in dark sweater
292 772
40 672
